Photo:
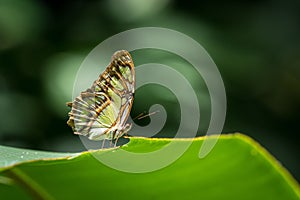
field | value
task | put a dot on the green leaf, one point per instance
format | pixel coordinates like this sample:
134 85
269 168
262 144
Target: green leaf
236 168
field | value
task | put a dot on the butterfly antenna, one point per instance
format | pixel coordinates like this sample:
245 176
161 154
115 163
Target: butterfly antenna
102 147
141 117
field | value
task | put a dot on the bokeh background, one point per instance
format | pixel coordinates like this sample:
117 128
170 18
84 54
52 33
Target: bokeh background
255 45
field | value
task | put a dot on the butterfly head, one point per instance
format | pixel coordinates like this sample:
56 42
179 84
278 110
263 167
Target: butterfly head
122 130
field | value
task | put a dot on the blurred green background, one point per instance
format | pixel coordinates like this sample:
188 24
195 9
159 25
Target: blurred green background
255 45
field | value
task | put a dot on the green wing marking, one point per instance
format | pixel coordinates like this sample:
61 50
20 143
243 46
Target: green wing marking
101 111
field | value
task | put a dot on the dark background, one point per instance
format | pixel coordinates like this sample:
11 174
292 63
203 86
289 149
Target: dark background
255 45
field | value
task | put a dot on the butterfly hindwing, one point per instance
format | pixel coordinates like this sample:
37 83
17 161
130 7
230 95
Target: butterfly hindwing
101 111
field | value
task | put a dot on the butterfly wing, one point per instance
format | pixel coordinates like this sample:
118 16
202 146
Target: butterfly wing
102 110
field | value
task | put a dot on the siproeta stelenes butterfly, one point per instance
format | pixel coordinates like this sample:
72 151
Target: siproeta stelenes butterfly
101 111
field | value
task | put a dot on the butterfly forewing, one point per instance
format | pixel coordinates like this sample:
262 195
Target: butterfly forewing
101 111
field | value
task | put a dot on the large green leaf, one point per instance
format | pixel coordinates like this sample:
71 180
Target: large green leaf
236 168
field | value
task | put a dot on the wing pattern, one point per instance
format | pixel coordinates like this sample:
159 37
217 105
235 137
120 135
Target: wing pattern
101 111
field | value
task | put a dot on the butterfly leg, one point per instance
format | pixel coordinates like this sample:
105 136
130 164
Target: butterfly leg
116 141
126 129
113 136
102 147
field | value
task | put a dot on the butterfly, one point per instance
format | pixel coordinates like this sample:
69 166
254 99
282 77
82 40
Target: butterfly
101 111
